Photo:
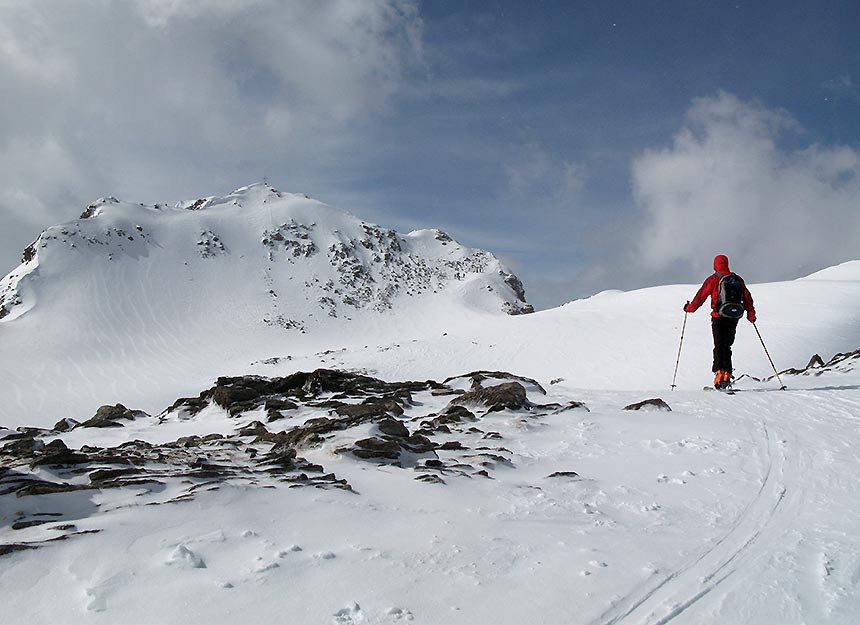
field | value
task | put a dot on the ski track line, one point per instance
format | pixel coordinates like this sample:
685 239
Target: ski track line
682 588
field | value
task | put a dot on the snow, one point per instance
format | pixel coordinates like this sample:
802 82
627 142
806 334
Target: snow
727 509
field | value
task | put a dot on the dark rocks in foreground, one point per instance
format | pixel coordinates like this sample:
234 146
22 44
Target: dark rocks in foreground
244 393
110 417
506 396
363 418
649 404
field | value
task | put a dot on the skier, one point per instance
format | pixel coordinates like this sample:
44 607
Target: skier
729 299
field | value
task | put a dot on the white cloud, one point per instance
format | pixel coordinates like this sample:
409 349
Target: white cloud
154 99
844 86
28 49
39 174
726 185
534 173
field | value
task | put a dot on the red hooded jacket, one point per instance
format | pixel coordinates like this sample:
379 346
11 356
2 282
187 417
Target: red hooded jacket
711 287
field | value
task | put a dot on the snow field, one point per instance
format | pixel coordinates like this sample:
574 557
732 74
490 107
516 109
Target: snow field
729 509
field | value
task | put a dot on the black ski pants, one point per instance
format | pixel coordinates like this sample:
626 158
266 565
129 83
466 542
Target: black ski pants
724 336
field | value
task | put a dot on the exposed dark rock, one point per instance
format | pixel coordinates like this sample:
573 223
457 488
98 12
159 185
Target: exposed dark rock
55 446
440 392
451 415
477 379
376 449
20 525
329 404
370 409
572 405
226 395
240 394
568 474
427 428
105 475
516 285
430 478
274 407
393 427
649 404
59 456
488 460
255 428
815 361
457 414
284 461
25 432
23 446
109 417
308 435
195 464
64 425
418 444
817 366
7 549
507 396
187 441
47 488
192 405
29 252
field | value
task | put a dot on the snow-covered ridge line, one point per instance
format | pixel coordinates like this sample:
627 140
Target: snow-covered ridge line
341 263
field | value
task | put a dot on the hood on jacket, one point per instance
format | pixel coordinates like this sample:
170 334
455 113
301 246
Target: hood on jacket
721 264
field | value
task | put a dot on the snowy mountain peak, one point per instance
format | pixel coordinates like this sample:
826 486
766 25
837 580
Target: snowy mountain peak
278 258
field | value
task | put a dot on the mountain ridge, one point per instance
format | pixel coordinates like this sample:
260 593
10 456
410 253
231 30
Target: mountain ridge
367 266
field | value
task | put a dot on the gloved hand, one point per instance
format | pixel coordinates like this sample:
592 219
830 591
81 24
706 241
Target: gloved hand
688 308
751 317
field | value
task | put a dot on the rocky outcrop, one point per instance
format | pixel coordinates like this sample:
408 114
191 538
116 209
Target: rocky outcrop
481 379
816 365
276 422
110 417
649 404
507 396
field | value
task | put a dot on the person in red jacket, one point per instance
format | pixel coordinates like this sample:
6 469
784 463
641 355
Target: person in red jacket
730 298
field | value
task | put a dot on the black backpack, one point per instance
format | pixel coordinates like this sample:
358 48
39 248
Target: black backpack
730 301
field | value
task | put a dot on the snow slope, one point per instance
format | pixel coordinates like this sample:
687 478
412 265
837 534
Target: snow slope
160 321
728 509
724 510
145 303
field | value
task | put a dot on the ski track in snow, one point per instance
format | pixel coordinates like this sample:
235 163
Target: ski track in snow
768 530
679 590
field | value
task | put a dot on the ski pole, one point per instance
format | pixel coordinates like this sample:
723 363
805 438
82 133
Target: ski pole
683 327
781 385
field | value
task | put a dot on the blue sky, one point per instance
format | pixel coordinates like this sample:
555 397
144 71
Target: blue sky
592 145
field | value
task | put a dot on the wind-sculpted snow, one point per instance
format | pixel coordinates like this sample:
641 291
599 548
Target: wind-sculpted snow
333 496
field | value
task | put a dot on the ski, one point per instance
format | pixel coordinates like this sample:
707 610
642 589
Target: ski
727 391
